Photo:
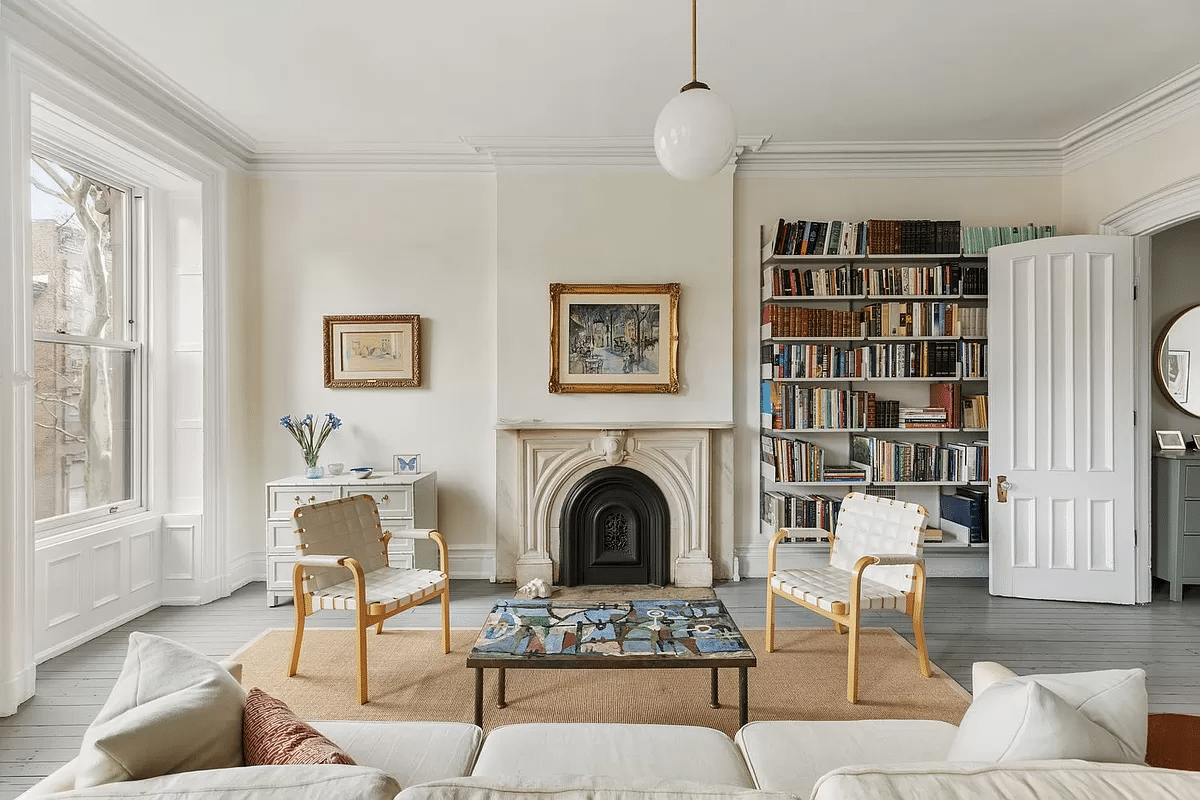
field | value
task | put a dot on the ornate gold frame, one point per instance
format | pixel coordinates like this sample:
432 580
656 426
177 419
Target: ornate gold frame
615 292
407 375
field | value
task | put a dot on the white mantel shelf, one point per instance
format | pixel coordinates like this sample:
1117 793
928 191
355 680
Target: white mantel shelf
538 424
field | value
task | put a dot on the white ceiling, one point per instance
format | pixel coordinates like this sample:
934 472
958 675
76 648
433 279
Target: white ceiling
428 72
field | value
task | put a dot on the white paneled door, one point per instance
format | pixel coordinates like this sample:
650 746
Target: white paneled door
1062 386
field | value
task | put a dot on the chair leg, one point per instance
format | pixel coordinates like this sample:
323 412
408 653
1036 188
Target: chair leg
362 657
298 636
446 620
918 621
379 628
770 631
840 628
852 655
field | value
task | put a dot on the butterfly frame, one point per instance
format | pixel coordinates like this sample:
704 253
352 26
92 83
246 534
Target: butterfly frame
408 464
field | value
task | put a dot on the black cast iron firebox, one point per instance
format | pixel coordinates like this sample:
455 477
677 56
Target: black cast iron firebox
615 528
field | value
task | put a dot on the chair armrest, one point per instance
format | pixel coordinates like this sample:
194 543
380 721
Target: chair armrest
887 559
322 561
436 536
419 533
780 534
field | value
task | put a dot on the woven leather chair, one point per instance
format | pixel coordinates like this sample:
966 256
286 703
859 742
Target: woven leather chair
343 565
875 562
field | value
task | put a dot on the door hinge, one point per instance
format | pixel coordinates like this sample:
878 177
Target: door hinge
1135 417
1135 537
1135 291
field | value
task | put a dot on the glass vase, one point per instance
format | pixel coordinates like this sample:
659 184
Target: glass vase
315 471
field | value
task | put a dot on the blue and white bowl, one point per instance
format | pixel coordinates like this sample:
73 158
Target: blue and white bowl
361 472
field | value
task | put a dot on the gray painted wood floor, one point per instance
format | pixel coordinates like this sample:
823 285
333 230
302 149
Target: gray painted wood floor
963 624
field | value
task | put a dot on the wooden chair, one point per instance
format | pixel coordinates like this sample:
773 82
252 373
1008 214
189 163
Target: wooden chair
875 562
343 565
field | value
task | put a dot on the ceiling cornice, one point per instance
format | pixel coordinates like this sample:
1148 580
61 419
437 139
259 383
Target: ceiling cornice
57 32
1143 116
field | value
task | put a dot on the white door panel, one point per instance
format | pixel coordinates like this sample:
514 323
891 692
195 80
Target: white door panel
1062 398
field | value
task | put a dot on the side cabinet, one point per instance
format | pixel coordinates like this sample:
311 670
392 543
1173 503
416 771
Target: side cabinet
406 502
1176 544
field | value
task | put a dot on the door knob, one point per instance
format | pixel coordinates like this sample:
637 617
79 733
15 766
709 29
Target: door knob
1002 487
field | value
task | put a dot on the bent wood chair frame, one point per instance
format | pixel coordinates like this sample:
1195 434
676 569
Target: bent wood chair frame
846 617
367 613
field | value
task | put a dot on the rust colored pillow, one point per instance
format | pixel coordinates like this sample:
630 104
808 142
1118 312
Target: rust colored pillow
272 734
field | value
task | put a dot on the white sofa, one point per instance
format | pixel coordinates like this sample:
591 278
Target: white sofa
864 760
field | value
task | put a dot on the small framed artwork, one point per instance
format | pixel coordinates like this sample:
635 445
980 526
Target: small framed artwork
614 337
1178 364
406 464
372 350
1196 440
1170 440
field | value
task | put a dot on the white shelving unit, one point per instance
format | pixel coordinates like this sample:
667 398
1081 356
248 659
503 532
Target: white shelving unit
951 556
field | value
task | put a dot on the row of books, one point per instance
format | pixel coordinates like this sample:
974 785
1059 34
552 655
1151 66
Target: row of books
919 359
898 318
783 510
794 460
913 236
795 407
827 238
948 278
976 239
965 515
894 461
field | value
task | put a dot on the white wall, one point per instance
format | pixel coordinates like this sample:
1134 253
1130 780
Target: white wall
377 244
635 227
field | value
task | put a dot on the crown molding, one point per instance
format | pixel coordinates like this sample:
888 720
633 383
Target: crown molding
283 157
623 153
55 30
1038 157
1143 116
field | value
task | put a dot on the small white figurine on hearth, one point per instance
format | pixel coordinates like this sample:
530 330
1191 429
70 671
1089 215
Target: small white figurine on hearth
536 588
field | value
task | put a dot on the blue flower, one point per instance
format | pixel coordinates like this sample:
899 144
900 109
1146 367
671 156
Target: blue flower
286 421
334 421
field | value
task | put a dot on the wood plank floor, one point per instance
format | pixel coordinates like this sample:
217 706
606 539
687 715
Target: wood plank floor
963 624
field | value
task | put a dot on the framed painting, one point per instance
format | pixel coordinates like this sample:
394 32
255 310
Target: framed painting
1178 366
370 350
614 337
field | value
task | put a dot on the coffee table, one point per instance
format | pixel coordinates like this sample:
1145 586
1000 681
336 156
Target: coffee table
635 634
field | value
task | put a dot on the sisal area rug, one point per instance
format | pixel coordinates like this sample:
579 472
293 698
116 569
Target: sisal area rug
409 678
623 591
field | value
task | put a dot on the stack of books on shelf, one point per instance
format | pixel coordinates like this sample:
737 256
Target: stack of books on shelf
931 534
927 417
819 511
948 397
976 239
975 413
826 238
964 514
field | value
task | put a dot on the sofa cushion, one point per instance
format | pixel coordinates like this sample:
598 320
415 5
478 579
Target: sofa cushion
272 734
292 782
791 755
1030 780
622 750
172 709
1097 716
411 752
581 787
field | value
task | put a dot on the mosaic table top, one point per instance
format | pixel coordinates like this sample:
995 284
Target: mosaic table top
650 633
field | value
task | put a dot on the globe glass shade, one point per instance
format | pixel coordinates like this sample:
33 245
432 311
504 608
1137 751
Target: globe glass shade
695 134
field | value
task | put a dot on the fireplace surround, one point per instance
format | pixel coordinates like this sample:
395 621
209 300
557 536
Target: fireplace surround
539 464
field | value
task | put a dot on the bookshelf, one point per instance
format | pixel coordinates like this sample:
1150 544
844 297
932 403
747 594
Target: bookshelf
873 375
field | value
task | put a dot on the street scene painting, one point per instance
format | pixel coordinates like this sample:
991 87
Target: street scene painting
614 337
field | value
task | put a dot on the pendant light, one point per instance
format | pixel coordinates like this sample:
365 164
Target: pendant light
696 132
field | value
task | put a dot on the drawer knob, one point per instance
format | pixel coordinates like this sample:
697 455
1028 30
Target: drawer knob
385 498
297 499
312 498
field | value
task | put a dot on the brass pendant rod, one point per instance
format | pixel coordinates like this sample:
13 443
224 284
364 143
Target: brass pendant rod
693 41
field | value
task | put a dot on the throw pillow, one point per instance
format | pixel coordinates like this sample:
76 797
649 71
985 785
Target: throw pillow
272 734
172 709
1113 699
1028 722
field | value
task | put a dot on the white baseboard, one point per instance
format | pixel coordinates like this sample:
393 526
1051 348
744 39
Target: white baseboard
88 635
472 562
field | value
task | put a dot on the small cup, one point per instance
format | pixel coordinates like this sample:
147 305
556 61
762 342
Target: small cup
335 468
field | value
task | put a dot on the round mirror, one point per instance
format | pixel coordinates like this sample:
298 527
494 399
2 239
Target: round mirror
1173 354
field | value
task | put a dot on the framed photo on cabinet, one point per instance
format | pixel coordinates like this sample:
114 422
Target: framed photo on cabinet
614 337
372 350
406 463
1170 440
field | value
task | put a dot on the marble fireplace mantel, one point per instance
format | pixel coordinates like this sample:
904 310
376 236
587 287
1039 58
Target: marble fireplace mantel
539 462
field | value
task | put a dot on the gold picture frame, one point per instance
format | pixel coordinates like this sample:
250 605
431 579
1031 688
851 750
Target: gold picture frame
614 337
372 350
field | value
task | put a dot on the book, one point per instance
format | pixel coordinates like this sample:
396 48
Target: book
967 511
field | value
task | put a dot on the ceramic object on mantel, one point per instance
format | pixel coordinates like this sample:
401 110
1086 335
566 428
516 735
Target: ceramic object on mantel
361 472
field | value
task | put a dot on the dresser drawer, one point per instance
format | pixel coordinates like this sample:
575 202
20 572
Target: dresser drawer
1190 568
279 573
393 501
281 536
283 500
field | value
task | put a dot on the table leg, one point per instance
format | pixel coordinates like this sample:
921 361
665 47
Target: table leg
743 697
479 696
500 690
713 702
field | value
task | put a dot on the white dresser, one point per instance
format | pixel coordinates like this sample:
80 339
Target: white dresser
406 502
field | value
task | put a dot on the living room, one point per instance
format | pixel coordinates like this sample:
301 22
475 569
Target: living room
287 227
